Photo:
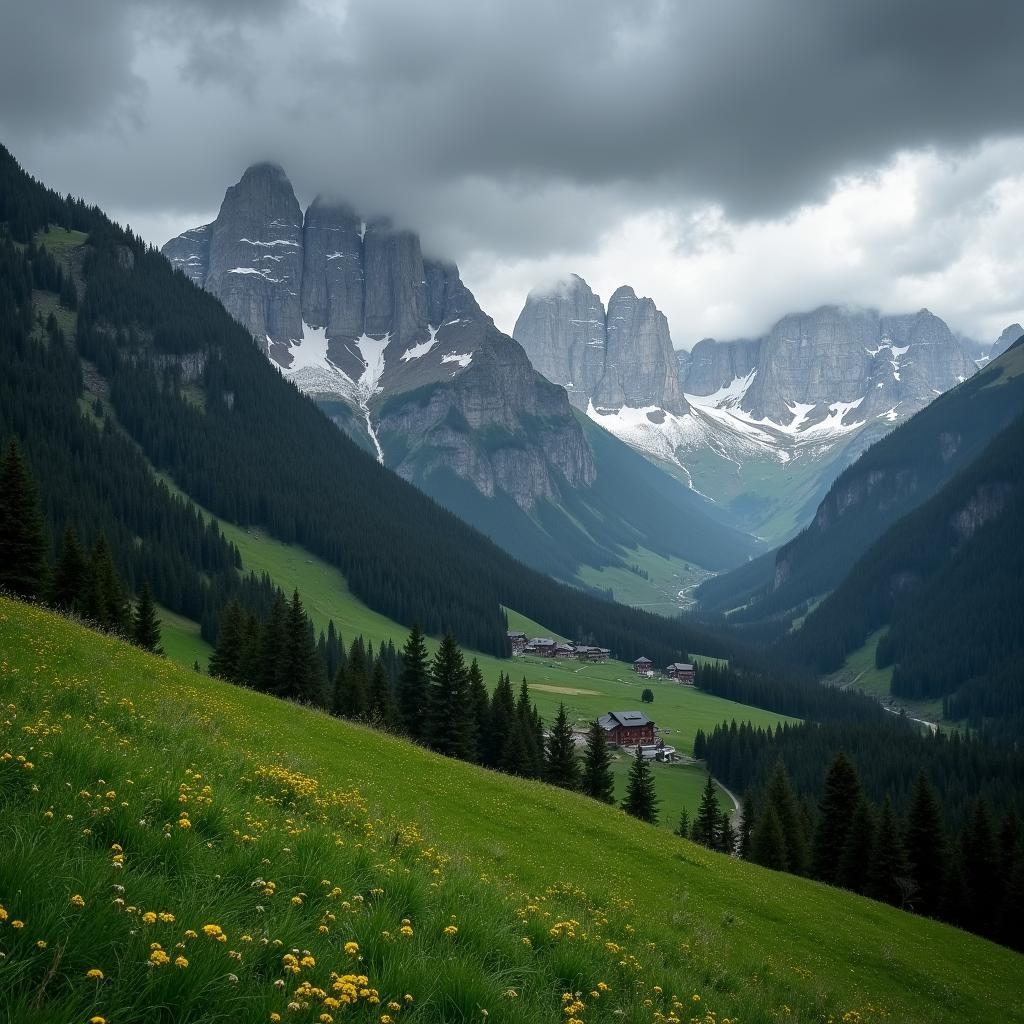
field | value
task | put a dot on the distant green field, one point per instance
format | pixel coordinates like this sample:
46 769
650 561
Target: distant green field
181 640
120 745
660 592
588 690
677 786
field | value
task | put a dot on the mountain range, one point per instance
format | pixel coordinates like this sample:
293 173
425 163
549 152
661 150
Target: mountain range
396 350
761 426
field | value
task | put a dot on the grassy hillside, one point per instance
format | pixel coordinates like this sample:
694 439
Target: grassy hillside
213 810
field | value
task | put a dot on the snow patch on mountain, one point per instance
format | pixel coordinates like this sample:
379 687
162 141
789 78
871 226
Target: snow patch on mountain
415 351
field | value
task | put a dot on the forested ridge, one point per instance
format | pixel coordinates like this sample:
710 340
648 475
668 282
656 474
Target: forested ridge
189 394
946 582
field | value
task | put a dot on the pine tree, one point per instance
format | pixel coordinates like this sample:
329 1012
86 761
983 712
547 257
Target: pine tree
926 846
67 587
981 868
300 670
839 798
726 836
502 720
414 685
561 767
379 697
597 780
857 852
451 722
683 828
888 874
641 801
515 758
700 744
532 732
480 702
145 624
705 825
22 531
351 685
105 603
746 827
273 640
768 842
791 820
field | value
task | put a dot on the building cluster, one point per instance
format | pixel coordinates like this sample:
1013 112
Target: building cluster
545 647
681 671
632 729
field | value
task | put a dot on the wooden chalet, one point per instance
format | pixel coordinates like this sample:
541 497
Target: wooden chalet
627 728
587 653
681 671
643 666
517 641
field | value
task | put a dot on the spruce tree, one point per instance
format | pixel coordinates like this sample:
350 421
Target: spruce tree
67 586
273 640
300 666
352 684
791 819
451 722
22 531
145 624
838 801
561 767
640 800
767 841
226 657
597 780
414 685
981 868
502 720
926 846
726 836
888 874
746 827
379 696
683 828
705 825
700 745
106 604
855 861
532 731
480 702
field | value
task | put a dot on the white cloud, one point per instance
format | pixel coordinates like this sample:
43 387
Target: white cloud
927 230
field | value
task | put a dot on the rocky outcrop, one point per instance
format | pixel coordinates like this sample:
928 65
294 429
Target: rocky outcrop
622 357
1006 339
351 310
711 365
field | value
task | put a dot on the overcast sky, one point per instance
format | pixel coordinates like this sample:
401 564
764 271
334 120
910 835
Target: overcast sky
734 159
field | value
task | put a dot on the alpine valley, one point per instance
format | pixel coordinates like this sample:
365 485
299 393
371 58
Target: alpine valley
761 426
394 348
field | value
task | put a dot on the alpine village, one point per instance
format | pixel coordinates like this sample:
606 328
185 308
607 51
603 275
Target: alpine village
391 641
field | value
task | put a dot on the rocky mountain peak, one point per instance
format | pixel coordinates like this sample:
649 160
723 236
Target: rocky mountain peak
1008 336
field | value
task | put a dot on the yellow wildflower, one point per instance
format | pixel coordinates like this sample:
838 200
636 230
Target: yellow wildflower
77 901
94 974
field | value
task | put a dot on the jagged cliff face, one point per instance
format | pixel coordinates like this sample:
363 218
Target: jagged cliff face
353 313
1009 335
614 358
762 425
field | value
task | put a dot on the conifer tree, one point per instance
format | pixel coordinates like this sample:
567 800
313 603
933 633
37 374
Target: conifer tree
726 836
532 732
700 742
767 841
888 874
791 820
248 664
22 531
640 800
451 722
352 685
300 668
414 685
502 719
746 827
855 861
839 799
70 575
683 828
597 780
480 702
926 846
145 624
705 825
561 767
515 758
379 696
981 868
105 603
273 640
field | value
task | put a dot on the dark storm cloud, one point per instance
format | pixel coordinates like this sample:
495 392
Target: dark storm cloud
573 111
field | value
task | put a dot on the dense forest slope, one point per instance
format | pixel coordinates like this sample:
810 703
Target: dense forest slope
116 366
893 477
263 820
946 581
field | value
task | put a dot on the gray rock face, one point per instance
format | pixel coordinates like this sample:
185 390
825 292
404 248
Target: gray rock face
190 253
712 365
1006 339
255 264
622 357
353 313
563 332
